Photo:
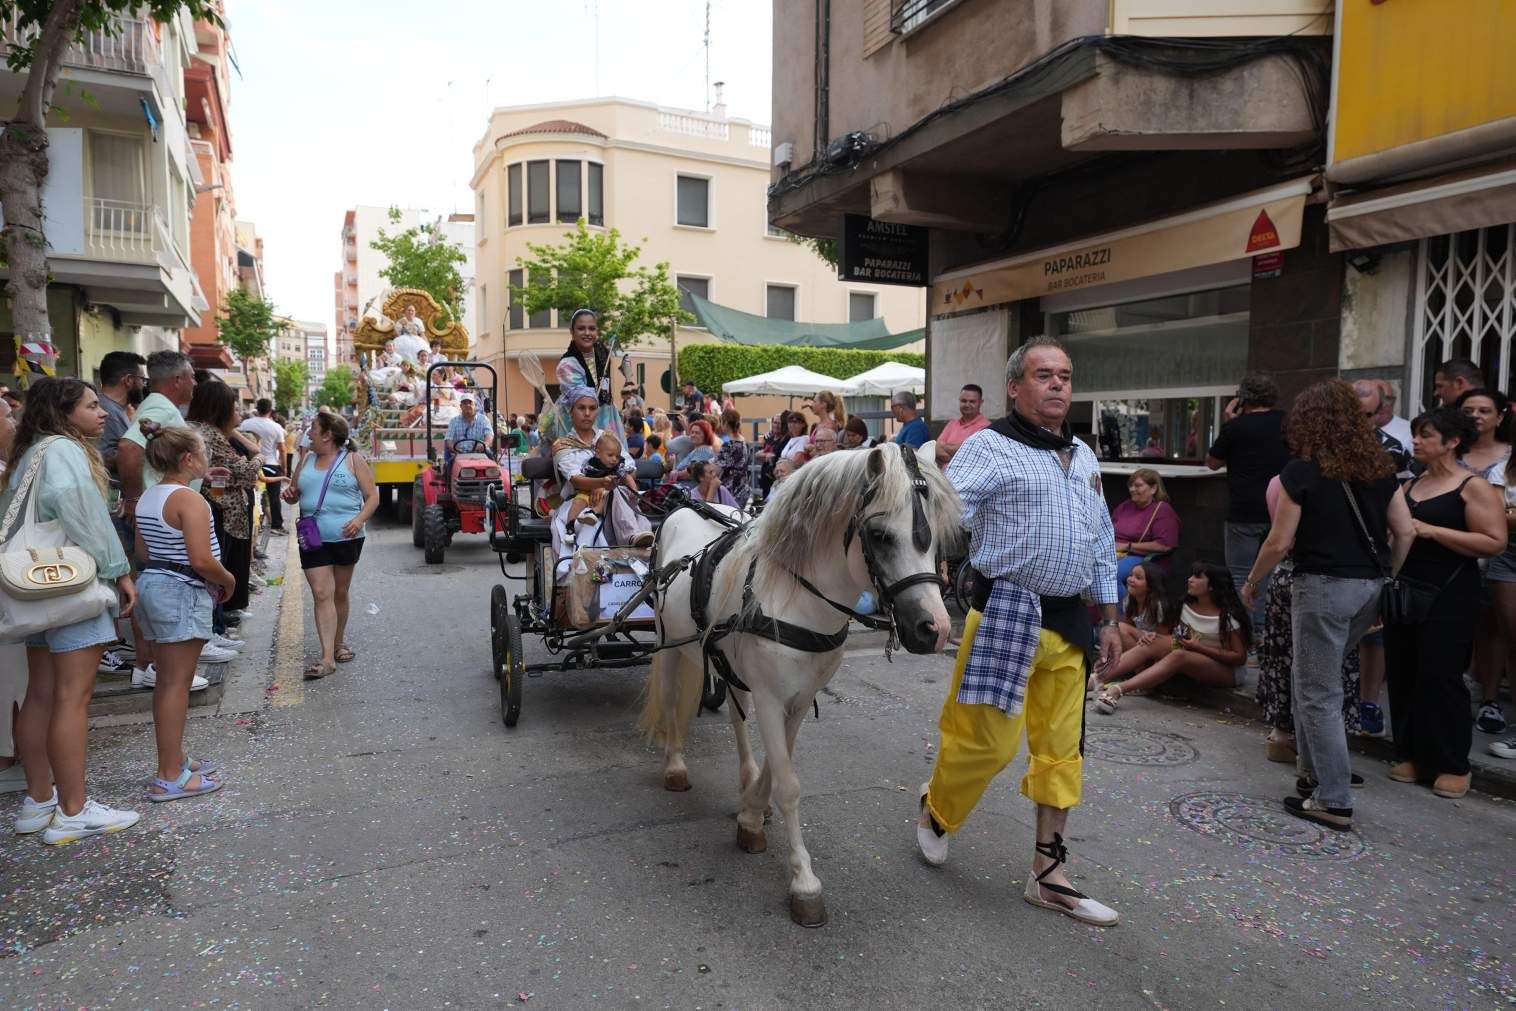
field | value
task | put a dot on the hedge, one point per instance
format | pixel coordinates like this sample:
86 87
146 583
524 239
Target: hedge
711 366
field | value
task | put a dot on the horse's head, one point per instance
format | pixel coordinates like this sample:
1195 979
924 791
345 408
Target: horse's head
902 522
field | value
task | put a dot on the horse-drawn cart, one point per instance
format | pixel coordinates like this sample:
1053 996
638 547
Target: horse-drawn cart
592 608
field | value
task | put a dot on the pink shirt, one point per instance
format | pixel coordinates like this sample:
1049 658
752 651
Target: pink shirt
1129 522
955 431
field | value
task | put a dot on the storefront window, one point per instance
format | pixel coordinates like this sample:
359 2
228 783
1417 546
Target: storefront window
1155 371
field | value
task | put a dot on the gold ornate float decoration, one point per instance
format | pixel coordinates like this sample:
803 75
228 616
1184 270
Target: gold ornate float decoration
373 331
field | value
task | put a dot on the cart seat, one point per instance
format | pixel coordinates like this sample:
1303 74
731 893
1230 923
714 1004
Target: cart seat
536 530
537 468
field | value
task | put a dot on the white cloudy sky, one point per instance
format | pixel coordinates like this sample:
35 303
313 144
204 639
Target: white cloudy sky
342 102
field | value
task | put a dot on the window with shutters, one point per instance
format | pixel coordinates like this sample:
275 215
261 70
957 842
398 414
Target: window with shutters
690 285
694 202
538 193
570 206
594 192
876 26
513 185
780 301
515 280
861 306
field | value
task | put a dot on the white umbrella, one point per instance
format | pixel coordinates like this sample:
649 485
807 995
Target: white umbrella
883 380
790 381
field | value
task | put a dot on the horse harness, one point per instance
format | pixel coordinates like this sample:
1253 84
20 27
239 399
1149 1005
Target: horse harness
751 619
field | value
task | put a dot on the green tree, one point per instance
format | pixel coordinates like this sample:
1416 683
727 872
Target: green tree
423 257
46 29
598 270
291 376
248 324
337 388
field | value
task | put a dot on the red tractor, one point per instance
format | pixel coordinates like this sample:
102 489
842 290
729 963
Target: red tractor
450 499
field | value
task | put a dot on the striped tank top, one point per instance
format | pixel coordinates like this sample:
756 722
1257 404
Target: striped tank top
165 543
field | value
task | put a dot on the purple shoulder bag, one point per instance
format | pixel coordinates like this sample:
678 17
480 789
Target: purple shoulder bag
307 531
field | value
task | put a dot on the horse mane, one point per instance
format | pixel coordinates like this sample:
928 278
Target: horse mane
807 517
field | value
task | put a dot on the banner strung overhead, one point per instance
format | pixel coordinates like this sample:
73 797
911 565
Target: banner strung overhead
1265 221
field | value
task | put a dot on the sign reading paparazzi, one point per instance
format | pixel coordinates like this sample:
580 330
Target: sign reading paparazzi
879 252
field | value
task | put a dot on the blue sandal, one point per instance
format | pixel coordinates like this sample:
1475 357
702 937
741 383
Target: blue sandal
207 767
174 789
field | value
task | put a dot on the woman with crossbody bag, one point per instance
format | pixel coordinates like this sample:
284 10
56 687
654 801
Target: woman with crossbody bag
1458 518
337 496
1340 479
55 476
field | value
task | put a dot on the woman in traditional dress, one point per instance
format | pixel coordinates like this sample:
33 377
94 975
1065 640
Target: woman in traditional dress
587 362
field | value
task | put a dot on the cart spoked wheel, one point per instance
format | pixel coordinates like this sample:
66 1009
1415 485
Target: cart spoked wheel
499 610
714 693
512 670
963 586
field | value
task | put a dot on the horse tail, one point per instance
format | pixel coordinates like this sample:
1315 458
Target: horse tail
670 698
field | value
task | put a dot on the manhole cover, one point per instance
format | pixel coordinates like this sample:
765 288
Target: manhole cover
1128 746
1262 825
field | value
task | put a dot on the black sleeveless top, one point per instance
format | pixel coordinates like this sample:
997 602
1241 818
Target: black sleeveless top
1435 563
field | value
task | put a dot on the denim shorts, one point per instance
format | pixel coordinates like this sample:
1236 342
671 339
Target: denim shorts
97 631
1502 568
170 610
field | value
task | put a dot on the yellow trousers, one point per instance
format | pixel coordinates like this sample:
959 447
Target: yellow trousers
980 740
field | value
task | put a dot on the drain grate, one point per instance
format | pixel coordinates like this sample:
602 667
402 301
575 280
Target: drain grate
1261 825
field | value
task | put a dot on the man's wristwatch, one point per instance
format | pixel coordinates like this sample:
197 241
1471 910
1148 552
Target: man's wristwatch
1109 623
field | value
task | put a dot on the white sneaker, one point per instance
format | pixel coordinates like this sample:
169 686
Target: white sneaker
93 818
934 847
223 642
1503 749
34 815
149 679
215 654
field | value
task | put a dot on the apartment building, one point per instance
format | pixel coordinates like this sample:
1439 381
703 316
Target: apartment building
117 195
213 229
304 340
1136 177
358 285
687 187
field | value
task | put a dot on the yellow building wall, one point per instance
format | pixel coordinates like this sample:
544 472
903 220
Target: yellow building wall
1409 71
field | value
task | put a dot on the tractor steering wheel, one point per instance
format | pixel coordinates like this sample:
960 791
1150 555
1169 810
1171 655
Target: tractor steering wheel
461 446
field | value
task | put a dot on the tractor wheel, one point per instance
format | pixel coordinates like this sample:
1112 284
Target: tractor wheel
513 671
715 692
433 534
418 537
500 609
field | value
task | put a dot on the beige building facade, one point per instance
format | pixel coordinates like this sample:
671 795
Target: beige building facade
689 188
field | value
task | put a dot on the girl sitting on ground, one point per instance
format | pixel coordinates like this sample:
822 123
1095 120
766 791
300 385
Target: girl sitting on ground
1145 626
1209 644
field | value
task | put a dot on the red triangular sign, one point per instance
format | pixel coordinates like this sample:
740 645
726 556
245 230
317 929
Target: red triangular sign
1264 235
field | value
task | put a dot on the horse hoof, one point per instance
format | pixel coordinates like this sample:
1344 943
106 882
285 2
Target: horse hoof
808 911
676 781
751 842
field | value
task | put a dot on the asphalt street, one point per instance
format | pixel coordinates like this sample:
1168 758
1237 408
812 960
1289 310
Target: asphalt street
384 842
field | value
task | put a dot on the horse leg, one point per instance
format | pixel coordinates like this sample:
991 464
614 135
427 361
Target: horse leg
676 686
806 905
752 808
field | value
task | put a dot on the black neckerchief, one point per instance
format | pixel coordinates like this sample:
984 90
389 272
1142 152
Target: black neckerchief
1014 426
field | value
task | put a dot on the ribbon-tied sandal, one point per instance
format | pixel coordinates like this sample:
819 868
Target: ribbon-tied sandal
1086 910
174 789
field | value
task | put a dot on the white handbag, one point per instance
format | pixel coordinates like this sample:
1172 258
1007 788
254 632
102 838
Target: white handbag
45 582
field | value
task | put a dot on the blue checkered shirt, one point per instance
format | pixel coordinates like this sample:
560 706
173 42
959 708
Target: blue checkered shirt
1039 531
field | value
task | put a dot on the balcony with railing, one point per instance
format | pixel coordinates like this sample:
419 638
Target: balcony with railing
124 231
690 124
760 136
129 45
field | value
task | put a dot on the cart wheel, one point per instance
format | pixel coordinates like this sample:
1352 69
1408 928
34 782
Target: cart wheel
499 609
433 534
963 586
513 671
715 692
414 503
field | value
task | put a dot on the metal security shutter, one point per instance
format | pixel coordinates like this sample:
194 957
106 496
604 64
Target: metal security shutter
876 26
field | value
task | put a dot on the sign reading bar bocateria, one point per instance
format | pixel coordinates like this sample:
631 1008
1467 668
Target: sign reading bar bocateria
1267 221
880 252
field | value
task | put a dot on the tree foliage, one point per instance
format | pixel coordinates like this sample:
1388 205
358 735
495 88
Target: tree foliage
77 17
291 376
710 366
336 388
424 257
826 249
597 270
248 324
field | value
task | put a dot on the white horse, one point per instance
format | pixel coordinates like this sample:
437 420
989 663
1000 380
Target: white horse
845 523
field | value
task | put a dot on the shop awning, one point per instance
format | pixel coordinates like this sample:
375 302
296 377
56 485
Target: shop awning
745 328
1451 203
1264 221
